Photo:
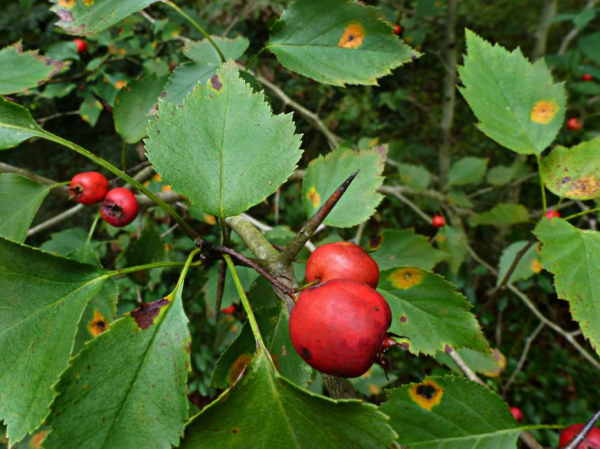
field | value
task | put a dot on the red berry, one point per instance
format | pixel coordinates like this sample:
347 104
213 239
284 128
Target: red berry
339 327
438 221
119 207
552 213
89 187
228 310
586 77
81 45
574 124
592 441
342 260
397 30
517 414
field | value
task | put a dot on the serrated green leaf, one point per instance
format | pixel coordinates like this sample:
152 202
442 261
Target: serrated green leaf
404 248
501 215
416 177
574 172
16 125
453 241
265 410
90 109
337 42
206 61
326 173
468 170
460 415
573 256
22 70
529 264
224 149
131 377
517 103
429 311
20 198
88 17
65 242
43 297
134 105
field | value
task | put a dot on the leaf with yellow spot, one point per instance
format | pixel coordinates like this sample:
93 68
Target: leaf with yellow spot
517 103
397 248
353 36
450 412
427 310
525 267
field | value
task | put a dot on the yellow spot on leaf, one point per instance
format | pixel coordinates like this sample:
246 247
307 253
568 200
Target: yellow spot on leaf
88 2
353 36
68 4
166 188
440 238
210 219
544 111
501 365
85 117
97 324
427 394
536 266
586 186
374 389
314 197
120 84
238 367
121 51
36 439
405 278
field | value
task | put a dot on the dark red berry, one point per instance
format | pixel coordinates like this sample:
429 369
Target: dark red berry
81 45
574 124
397 30
586 77
438 221
89 187
119 208
229 310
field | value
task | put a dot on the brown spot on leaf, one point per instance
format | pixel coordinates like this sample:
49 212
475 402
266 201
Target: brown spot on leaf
65 16
584 187
36 439
238 367
427 394
314 197
235 430
97 324
144 315
216 84
375 242
352 37
403 319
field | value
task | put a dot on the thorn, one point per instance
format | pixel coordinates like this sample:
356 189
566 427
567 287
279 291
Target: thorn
579 437
104 103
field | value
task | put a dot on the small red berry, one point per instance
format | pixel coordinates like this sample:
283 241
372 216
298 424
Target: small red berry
586 77
574 124
592 441
438 221
517 414
119 208
397 30
81 45
552 213
228 310
89 187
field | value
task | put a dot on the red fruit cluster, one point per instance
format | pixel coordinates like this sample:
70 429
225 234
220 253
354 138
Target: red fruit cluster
119 206
339 327
592 441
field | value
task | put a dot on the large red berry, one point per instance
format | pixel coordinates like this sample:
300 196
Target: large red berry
574 124
592 441
89 187
81 45
342 260
119 207
339 327
586 77
438 221
517 414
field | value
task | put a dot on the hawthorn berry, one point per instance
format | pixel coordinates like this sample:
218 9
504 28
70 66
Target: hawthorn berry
586 77
592 441
89 187
342 260
574 124
438 221
397 30
517 414
119 208
551 213
339 327
229 310
81 45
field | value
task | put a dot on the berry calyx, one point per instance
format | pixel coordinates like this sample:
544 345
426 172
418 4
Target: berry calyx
119 208
517 414
438 221
592 441
574 124
551 213
339 327
89 187
81 45
586 77
397 30
342 260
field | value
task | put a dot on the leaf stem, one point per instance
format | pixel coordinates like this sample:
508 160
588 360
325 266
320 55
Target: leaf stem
542 184
579 214
129 270
93 228
186 267
254 58
123 150
58 184
197 26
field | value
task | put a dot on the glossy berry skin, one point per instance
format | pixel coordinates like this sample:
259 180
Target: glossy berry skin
517 414
574 124
397 30
81 45
438 221
552 213
592 441
340 326
89 187
586 77
119 207
342 260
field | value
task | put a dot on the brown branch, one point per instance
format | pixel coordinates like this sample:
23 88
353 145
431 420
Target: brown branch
220 286
583 433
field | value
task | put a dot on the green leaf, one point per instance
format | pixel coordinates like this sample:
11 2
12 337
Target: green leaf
491 364
404 248
22 70
133 376
265 410
88 17
65 242
573 256
149 248
529 264
337 42
373 381
20 198
274 328
468 170
16 125
516 102
224 149
500 175
416 177
230 293
590 46
427 310
452 413
43 297
326 173
574 172
453 241
501 215
134 106
206 61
